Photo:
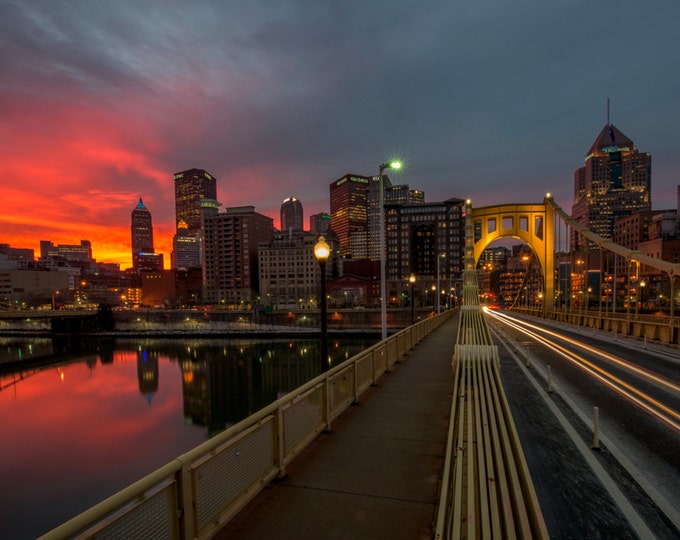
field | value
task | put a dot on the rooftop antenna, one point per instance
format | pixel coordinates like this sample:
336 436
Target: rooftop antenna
610 128
607 111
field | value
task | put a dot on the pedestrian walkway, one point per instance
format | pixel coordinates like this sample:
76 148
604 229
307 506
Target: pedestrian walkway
376 474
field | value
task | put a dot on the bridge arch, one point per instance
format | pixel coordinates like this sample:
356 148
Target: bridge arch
533 223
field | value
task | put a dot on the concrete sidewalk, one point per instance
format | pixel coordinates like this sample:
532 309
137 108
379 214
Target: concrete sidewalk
376 474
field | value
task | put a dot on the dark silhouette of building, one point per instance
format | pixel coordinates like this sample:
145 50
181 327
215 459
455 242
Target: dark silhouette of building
141 228
291 215
319 223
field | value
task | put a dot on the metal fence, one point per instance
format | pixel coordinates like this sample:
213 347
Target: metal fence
197 493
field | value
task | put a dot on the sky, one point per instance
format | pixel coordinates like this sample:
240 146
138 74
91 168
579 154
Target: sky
495 101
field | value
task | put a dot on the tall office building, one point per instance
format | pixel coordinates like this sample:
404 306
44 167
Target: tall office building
190 187
291 215
186 248
400 194
348 198
615 181
230 253
141 228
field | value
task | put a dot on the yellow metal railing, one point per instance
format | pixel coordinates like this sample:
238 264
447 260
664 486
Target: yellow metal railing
197 493
486 489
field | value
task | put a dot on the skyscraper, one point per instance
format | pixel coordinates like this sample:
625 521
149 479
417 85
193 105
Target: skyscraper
190 187
291 215
141 229
614 181
348 197
143 257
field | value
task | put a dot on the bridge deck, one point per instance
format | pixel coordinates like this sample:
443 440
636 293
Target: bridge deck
376 475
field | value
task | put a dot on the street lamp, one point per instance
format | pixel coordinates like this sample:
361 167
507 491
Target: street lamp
643 283
412 281
433 293
439 256
322 251
383 289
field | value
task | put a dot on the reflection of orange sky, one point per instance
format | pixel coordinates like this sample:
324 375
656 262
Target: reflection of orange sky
85 433
66 405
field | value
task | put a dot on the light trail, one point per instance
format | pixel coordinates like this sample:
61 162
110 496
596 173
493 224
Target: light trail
625 364
659 410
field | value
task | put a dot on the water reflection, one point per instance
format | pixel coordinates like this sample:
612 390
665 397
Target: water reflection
82 419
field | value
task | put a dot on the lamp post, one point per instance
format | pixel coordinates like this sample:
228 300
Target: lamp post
439 256
383 289
642 294
412 281
322 251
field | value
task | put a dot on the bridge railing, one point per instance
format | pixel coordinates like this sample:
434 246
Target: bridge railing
486 489
653 327
197 493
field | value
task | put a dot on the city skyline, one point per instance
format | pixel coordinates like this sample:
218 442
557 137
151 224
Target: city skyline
101 105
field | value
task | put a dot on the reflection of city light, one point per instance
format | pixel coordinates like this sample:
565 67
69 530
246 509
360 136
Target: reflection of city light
188 377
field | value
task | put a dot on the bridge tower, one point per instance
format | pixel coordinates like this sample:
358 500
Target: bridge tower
532 223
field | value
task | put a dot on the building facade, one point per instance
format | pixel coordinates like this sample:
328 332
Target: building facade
141 230
348 198
71 252
319 223
427 240
290 277
191 186
400 194
186 248
230 253
615 181
291 215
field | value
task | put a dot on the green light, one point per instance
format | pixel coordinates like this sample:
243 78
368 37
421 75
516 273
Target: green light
395 165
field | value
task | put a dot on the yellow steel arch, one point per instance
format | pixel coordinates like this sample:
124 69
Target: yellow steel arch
532 223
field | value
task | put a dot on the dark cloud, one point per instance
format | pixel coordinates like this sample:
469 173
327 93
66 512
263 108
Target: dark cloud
281 98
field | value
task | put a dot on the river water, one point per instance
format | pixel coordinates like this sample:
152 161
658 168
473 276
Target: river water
100 414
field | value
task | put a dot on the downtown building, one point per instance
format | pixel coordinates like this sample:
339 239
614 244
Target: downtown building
290 276
141 231
428 241
348 198
400 194
230 253
355 212
191 187
291 215
615 181
320 223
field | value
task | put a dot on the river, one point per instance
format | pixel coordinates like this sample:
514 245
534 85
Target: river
99 414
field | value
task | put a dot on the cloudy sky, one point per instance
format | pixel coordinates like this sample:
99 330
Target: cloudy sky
497 101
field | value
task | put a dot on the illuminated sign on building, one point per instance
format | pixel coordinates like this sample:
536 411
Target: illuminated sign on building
610 149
